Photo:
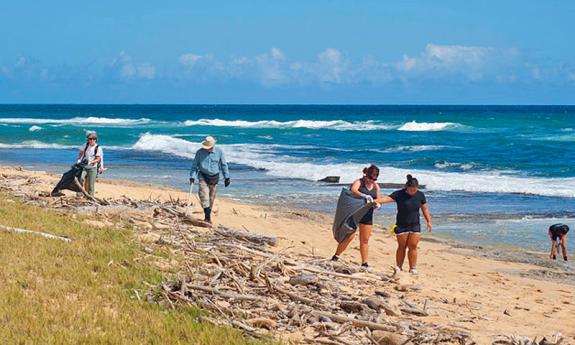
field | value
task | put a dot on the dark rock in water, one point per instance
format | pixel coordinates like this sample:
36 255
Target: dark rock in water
385 185
330 179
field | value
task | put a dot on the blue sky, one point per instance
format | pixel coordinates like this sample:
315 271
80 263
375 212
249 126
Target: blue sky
382 52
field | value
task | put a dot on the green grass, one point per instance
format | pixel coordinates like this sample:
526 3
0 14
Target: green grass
82 292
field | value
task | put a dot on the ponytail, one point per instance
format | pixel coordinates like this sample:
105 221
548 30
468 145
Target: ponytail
371 170
411 182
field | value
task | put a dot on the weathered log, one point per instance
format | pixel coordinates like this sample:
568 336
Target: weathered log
246 236
304 279
39 233
355 322
389 338
230 295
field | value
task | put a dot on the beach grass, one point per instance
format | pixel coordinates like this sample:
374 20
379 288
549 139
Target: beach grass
84 291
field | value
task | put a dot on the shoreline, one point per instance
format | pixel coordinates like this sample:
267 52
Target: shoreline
453 277
490 251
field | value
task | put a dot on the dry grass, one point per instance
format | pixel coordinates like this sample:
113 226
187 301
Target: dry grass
83 292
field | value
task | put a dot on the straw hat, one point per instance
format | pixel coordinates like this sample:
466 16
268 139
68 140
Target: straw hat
208 142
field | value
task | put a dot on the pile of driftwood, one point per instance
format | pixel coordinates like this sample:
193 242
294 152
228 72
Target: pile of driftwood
247 283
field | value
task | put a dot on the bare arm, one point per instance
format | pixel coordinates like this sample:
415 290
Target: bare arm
355 188
427 216
384 200
80 154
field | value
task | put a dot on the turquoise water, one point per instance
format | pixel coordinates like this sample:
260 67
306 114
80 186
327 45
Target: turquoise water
488 169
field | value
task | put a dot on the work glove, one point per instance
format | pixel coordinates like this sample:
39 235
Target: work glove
192 180
368 198
377 206
227 182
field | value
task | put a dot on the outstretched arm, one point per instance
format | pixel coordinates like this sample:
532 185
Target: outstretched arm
427 216
384 200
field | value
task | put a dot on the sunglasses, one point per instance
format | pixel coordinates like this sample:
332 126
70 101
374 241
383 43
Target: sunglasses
91 138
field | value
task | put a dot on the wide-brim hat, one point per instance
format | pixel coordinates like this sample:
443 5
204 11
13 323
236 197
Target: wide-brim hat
208 142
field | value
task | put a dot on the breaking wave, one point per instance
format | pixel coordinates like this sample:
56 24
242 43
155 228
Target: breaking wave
414 126
309 124
262 157
78 121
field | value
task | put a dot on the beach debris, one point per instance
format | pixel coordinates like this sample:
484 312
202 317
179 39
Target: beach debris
245 280
39 233
555 339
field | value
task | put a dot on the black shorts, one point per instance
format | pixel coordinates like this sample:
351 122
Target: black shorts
368 218
408 229
556 235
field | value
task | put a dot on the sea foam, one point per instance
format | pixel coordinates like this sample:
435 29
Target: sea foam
414 126
308 124
78 121
262 157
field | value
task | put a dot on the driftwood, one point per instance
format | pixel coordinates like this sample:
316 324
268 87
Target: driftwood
39 233
243 282
246 236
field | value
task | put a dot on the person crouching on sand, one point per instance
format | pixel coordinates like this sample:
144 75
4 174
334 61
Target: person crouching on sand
208 163
409 200
367 188
558 235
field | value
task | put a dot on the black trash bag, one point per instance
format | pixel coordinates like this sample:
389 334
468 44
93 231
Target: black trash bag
70 180
350 210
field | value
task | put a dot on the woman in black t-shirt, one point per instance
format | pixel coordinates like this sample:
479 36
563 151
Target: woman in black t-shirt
409 200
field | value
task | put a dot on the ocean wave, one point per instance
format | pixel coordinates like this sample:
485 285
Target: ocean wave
414 126
340 125
416 148
260 157
34 128
462 166
78 121
566 138
35 144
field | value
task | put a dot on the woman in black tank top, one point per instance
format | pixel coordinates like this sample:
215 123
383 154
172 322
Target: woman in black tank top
367 188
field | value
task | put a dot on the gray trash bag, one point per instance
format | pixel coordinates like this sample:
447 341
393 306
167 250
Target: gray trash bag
350 210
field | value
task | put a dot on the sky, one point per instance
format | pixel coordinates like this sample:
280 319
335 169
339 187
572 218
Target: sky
288 52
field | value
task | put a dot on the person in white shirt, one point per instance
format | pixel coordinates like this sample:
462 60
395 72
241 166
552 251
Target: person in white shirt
91 156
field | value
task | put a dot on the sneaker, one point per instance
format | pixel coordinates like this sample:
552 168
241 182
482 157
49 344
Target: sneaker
335 257
398 269
565 258
412 271
365 267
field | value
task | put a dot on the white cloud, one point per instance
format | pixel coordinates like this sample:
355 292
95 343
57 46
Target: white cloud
332 66
128 69
470 62
190 59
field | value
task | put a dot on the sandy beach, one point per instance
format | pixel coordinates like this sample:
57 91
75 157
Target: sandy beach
462 285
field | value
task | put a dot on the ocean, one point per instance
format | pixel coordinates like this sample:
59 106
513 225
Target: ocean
494 175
